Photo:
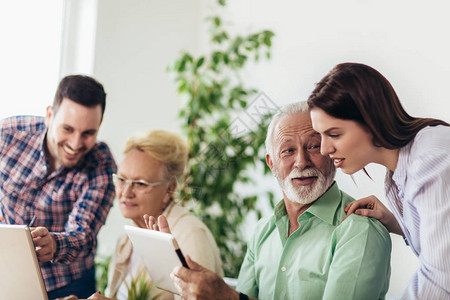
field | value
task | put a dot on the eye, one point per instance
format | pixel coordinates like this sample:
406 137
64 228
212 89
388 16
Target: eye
288 150
89 133
67 129
334 136
140 184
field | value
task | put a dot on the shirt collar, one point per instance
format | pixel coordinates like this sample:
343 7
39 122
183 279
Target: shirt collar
323 208
399 174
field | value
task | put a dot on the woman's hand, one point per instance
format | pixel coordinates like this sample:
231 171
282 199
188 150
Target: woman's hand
162 224
373 208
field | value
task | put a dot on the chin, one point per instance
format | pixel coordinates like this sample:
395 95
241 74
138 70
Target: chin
349 171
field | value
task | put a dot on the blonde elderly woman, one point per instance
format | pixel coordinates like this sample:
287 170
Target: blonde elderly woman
145 184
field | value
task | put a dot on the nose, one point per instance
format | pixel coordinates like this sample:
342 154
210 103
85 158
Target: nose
76 142
302 160
326 147
127 189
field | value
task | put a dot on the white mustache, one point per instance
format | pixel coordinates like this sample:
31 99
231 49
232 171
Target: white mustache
305 173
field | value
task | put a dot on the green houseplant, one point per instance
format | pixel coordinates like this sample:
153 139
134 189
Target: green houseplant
222 147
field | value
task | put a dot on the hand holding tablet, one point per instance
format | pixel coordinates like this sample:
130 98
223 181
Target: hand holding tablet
160 254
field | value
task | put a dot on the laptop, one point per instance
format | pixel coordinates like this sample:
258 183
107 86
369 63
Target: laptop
20 273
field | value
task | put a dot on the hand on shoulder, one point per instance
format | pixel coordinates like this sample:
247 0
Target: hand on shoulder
372 207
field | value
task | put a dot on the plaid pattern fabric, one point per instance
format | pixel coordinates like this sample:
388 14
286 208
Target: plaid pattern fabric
72 203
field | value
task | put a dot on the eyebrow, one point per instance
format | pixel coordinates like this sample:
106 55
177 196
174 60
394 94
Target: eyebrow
330 129
92 130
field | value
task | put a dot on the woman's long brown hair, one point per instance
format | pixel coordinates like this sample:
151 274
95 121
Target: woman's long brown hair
357 92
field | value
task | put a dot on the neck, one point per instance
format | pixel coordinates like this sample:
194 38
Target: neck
49 158
294 210
389 158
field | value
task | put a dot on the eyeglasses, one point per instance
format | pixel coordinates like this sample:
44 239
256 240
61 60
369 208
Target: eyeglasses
137 186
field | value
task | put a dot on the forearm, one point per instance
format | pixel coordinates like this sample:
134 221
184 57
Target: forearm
71 246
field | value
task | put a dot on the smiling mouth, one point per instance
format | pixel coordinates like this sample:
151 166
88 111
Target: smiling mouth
304 180
338 162
127 204
71 152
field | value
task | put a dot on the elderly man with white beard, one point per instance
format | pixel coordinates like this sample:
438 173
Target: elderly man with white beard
303 250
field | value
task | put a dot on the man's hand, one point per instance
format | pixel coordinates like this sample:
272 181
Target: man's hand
200 283
44 243
372 207
162 224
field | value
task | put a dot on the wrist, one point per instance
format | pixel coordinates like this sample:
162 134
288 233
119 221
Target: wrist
233 294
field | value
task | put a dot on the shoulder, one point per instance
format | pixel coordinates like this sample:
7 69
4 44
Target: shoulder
101 155
263 228
181 220
363 226
27 124
433 138
429 156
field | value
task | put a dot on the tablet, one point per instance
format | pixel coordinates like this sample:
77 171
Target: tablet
160 254
20 274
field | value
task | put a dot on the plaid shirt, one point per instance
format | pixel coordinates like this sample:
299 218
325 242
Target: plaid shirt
72 203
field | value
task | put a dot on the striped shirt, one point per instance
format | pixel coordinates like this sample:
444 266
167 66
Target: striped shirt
71 203
418 193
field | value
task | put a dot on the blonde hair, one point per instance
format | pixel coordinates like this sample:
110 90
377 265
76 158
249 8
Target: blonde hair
167 147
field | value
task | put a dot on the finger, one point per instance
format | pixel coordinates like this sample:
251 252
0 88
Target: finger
155 227
38 232
96 295
193 265
370 213
163 224
41 241
71 297
44 259
361 203
44 251
151 222
177 282
146 221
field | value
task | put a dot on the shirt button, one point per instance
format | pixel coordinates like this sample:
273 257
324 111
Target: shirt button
27 208
283 269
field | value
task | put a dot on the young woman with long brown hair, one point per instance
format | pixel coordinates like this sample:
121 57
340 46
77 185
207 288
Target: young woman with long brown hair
361 121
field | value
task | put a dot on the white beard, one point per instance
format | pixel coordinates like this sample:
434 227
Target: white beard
304 194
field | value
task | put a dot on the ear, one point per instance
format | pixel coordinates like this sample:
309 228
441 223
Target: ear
48 115
269 162
170 190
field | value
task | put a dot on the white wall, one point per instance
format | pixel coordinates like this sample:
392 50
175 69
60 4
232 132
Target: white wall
135 41
407 41
29 55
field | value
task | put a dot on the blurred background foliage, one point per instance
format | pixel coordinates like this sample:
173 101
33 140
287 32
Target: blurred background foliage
222 149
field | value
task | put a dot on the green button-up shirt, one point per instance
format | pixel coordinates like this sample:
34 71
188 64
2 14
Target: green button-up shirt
322 259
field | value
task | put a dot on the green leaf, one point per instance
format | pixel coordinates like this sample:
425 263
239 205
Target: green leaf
218 159
217 21
199 63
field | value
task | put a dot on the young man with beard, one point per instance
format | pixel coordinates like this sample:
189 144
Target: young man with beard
302 251
53 171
